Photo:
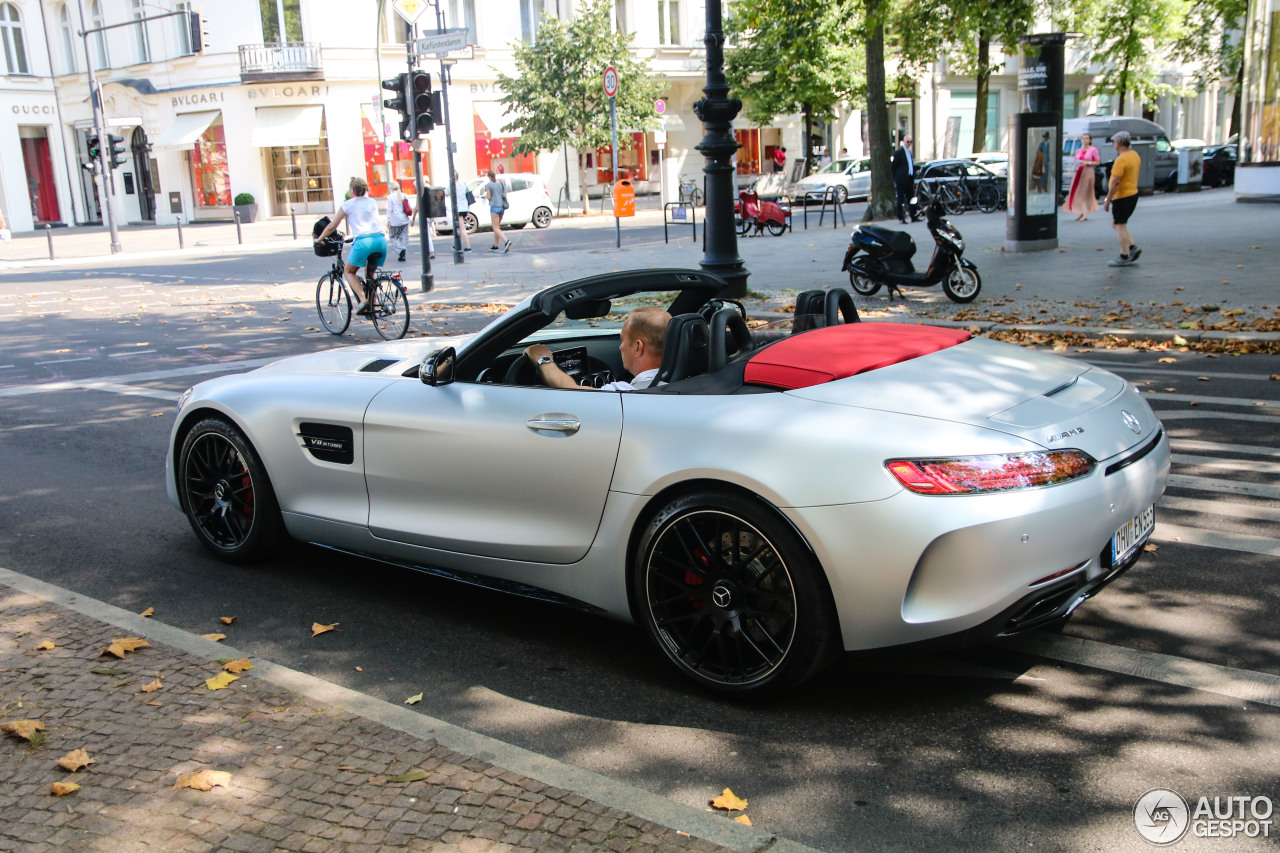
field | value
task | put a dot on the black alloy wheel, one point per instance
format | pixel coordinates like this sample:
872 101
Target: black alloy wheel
732 596
226 494
862 285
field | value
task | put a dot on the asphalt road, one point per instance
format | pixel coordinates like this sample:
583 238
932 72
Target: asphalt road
989 749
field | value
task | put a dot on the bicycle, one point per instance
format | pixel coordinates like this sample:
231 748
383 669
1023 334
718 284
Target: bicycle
388 299
690 192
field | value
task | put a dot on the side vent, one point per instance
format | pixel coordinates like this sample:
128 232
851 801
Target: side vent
328 443
378 364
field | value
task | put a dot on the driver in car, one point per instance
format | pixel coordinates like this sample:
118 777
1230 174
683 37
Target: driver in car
643 334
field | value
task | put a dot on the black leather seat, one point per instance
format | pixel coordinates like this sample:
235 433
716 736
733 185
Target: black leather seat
686 350
818 308
729 335
899 242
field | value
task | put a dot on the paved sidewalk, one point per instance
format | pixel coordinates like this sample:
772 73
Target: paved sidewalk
305 772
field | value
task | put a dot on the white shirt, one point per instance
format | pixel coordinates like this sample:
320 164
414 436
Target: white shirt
362 214
643 379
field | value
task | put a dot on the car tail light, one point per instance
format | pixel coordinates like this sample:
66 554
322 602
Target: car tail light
969 475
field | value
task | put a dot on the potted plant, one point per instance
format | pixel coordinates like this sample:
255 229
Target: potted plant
245 206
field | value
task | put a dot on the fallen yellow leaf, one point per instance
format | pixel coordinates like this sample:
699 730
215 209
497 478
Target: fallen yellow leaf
221 680
414 775
22 728
743 819
156 704
1167 360
204 780
74 760
152 687
729 802
129 644
214 637
317 629
150 611
1203 378
237 665
61 789
413 700
226 620
46 646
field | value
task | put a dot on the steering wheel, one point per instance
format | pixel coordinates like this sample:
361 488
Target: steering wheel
522 371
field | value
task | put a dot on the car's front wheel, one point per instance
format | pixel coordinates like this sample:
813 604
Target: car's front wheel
227 495
732 595
469 222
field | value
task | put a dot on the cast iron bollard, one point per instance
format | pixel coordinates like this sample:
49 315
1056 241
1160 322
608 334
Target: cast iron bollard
180 244
293 214
48 232
239 236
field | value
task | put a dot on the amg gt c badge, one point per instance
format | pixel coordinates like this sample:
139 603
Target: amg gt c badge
1068 433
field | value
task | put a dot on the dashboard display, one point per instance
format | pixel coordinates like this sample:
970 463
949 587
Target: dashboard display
572 361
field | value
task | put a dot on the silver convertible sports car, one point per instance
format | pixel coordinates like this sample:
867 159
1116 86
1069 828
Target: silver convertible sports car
785 491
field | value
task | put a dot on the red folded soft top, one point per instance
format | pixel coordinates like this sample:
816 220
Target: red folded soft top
836 352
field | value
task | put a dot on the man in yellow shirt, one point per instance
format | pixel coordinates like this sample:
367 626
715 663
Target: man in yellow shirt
1122 197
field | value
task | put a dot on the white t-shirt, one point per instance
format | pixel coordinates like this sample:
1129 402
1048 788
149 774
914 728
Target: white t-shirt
643 379
362 214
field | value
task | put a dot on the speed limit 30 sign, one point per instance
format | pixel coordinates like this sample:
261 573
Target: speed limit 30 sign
610 81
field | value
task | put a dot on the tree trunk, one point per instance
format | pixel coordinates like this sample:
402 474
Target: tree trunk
1235 107
807 148
882 195
984 87
582 183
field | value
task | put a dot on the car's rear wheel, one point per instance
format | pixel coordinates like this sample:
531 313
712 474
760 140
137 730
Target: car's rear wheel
469 222
541 217
732 595
841 193
226 494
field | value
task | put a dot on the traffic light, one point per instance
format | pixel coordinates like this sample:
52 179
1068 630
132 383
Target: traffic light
424 113
399 85
116 150
199 29
91 142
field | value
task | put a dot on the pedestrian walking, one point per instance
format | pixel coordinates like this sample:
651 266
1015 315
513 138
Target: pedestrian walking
904 184
1122 197
398 216
1083 200
496 194
462 201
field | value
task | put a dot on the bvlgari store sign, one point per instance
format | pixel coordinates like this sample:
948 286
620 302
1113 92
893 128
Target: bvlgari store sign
255 93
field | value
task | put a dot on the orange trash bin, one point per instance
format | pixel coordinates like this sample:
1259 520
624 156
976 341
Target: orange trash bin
624 198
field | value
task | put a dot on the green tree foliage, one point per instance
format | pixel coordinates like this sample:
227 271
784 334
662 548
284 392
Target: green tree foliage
794 56
1126 41
557 94
1213 39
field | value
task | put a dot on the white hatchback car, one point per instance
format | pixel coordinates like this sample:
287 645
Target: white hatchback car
527 200
849 178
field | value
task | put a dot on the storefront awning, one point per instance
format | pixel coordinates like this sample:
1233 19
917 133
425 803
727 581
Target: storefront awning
186 129
287 127
494 116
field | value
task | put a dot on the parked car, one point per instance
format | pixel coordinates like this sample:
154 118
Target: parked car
996 161
966 172
527 197
782 494
850 178
1219 165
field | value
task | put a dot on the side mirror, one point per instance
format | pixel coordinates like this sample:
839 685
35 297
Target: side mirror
437 368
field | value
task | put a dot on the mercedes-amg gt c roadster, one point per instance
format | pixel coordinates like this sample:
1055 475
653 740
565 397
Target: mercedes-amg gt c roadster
784 492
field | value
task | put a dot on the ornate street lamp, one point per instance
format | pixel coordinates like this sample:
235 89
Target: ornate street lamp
717 111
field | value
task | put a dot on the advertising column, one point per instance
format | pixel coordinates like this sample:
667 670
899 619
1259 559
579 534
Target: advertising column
1035 145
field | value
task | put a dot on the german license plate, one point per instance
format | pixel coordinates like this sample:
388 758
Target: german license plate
1132 534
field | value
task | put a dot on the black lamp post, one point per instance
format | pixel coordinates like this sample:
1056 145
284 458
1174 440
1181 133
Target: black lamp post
716 111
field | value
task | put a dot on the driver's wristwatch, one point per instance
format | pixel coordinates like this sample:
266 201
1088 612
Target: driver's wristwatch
546 359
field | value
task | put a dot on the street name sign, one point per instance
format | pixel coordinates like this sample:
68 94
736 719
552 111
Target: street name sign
439 44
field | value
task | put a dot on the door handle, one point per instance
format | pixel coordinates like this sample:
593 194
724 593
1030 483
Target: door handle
567 424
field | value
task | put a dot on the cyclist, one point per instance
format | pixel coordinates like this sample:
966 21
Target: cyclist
369 246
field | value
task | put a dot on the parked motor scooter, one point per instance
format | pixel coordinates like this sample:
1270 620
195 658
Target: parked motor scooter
885 260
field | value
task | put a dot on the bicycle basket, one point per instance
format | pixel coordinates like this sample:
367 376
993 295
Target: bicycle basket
330 246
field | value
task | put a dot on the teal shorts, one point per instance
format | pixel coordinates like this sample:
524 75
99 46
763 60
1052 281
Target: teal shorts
363 249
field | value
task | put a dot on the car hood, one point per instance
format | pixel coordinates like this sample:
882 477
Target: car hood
361 357
1051 401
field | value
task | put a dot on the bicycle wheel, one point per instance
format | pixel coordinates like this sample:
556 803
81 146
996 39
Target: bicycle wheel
333 303
696 197
988 198
390 309
952 199
924 194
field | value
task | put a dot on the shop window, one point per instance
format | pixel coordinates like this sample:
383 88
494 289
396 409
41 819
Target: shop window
668 21
633 162
209 173
382 167
15 49
281 21
748 156
39 168
302 174
494 150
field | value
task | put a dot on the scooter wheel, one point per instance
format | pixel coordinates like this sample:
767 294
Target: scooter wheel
962 284
862 285
777 229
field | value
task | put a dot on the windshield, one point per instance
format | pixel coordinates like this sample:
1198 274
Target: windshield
834 167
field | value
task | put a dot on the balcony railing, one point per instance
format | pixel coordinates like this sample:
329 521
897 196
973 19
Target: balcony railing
281 61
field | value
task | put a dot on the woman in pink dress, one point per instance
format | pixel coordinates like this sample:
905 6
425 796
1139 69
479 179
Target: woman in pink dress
1082 200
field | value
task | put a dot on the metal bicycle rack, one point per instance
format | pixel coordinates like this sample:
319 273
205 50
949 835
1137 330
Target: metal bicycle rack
693 218
837 207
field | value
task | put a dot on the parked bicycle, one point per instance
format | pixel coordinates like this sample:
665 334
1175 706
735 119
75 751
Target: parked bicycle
690 191
388 302
958 195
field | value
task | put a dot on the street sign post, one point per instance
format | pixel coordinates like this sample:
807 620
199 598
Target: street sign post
611 89
439 44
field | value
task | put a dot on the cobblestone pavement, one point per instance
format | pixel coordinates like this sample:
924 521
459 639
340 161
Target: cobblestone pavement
302 777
